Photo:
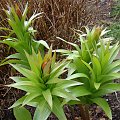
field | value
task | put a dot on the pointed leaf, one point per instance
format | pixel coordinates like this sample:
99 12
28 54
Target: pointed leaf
42 111
96 65
111 86
58 110
80 91
75 45
30 97
18 102
77 75
63 94
67 83
104 105
19 79
48 97
27 73
97 85
54 80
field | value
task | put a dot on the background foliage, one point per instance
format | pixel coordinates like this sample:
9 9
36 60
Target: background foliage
114 25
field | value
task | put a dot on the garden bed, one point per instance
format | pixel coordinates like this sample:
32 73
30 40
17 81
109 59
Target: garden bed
9 95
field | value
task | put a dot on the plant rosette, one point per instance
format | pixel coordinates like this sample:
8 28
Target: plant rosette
95 58
44 87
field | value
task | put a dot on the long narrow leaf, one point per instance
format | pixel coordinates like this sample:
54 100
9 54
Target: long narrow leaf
42 111
104 105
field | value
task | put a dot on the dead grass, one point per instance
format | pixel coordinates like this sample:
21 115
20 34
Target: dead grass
60 17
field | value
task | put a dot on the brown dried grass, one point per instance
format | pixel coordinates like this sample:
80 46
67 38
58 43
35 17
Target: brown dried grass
60 17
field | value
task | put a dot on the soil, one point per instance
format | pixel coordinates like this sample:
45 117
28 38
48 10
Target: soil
9 95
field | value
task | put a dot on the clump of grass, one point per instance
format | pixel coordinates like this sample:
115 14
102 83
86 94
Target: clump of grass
115 24
115 11
115 30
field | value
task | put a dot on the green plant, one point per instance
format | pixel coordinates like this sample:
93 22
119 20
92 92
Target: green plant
115 11
114 31
92 67
44 87
21 36
114 25
95 58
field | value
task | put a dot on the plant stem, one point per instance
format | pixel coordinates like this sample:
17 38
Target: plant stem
84 112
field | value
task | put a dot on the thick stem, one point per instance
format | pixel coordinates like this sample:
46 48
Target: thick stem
84 112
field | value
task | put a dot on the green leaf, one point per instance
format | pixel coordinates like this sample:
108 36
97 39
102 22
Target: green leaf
76 75
80 91
10 62
53 60
63 94
27 73
111 86
19 79
42 42
4 28
97 85
58 66
62 51
58 110
67 83
109 77
105 61
58 73
110 67
114 51
40 60
33 62
22 83
27 86
101 92
96 65
48 97
79 64
75 45
88 66
25 12
16 55
104 105
46 69
71 69
31 96
58 69
22 113
54 80
32 18
42 111
18 102
93 77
